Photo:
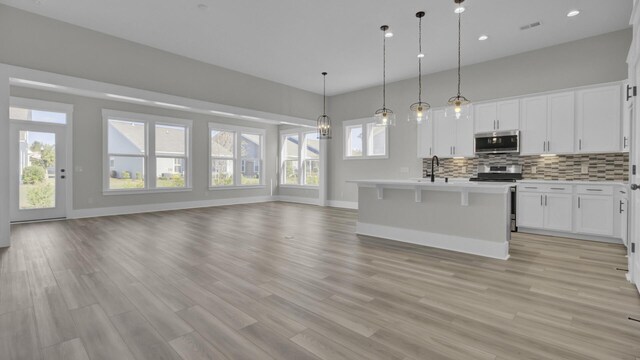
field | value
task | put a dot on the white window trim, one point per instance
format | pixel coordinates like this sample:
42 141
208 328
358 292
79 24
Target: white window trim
300 132
150 122
365 134
237 156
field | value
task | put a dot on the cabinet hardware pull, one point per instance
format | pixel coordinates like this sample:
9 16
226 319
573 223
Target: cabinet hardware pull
544 146
580 144
548 145
494 124
578 202
545 200
530 187
624 144
541 200
621 207
558 188
498 121
594 189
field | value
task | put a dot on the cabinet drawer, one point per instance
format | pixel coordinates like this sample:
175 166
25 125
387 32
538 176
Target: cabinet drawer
531 188
594 190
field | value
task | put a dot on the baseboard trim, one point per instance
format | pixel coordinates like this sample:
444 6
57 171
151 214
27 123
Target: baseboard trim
492 249
297 199
343 204
137 209
570 235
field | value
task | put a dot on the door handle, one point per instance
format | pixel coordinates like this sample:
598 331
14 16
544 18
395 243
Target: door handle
621 207
635 186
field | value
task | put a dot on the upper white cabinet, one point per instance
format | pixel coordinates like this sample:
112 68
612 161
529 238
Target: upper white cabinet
494 116
425 138
627 115
452 137
598 122
547 124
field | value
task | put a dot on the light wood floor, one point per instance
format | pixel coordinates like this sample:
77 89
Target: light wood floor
287 281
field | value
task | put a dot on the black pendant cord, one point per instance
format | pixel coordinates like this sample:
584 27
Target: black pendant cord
324 94
384 71
420 60
459 32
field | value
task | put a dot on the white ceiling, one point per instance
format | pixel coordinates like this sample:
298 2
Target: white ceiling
293 41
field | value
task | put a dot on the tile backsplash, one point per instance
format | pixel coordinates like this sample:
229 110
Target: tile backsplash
599 167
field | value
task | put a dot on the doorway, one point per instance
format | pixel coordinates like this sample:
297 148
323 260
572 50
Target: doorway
39 159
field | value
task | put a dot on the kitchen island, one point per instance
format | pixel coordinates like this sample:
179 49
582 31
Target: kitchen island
469 217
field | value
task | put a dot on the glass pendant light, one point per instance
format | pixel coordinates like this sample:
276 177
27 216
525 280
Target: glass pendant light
418 112
384 116
324 122
458 105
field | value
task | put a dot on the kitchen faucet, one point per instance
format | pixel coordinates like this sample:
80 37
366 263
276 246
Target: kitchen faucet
433 175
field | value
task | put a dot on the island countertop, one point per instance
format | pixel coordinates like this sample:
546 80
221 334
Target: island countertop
439 185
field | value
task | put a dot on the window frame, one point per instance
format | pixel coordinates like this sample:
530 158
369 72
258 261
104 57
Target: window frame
237 155
150 157
301 133
363 124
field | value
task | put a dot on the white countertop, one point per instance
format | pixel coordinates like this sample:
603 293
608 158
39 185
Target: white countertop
461 185
572 182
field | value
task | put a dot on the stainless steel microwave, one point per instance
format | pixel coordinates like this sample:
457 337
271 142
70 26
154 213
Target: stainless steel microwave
498 142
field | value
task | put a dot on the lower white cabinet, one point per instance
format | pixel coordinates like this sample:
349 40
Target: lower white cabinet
557 212
591 210
595 215
545 210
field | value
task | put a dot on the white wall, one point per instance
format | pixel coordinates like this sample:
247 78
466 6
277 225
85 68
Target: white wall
4 157
87 153
588 61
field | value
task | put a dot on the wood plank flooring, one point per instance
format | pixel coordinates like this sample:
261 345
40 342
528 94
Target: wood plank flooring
288 281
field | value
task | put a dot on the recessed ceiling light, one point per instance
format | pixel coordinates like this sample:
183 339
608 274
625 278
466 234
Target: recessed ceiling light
170 105
420 56
483 37
573 13
459 10
120 97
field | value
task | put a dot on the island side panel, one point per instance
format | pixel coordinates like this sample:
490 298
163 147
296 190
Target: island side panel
439 220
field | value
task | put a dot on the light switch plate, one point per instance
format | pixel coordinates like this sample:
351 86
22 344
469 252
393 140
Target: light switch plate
585 169
534 169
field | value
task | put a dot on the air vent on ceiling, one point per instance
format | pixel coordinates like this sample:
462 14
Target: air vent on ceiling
531 26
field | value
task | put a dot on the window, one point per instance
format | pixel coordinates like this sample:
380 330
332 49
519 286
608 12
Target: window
364 140
236 156
300 158
130 155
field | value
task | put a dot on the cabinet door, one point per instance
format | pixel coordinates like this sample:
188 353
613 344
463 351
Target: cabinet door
484 116
626 125
561 123
624 221
464 138
558 212
533 126
530 210
508 115
425 138
444 134
595 215
599 119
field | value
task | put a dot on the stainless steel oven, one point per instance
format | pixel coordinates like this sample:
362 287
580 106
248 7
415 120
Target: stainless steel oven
499 142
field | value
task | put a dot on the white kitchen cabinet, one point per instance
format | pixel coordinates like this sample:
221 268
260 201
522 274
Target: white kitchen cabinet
425 138
545 207
594 215
621 216
494 116
598 122
561 123
557 212
530 212
547 124
626 125
533 126
452 137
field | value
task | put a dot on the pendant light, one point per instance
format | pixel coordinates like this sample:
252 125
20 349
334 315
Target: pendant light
459 105
324 122
384 116
418 112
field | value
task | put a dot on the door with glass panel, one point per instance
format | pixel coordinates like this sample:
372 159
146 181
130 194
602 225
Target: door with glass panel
38 164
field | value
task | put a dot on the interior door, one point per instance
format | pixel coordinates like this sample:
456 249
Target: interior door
634 179
38 171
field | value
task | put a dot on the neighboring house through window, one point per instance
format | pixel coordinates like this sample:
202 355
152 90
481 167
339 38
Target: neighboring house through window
299 158
236 155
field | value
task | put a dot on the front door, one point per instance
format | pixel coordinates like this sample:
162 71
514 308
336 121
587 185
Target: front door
38 171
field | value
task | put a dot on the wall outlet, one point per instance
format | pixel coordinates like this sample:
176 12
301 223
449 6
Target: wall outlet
464 169
534 169
585 169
